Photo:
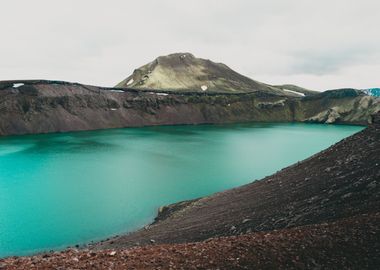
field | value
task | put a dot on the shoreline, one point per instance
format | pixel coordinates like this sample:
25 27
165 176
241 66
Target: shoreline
340 207
163 213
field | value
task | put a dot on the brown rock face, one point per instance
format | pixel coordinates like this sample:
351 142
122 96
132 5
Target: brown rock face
50 106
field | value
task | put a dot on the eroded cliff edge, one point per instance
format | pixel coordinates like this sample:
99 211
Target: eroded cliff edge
53 106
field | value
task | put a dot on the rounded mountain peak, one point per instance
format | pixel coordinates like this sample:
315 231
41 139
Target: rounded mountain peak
185 72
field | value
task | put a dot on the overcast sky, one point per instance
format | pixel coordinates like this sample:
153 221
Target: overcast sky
321 44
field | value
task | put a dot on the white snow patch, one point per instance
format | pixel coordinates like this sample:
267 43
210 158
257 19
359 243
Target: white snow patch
204 87
130 81
113 109
294 92
17 85
157 94
117 91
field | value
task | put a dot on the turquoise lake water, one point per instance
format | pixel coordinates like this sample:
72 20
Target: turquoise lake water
65 189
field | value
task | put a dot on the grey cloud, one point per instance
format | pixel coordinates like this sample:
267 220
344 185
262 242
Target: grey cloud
313 43
331 61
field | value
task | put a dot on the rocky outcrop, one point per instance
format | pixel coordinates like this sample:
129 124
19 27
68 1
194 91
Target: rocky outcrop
342 105
54 106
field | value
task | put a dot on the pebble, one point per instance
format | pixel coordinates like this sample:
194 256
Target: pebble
246 220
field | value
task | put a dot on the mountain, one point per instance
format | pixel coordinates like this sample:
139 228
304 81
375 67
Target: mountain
174 89
185 72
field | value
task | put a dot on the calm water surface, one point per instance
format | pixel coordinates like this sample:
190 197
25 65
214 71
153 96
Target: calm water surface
63 189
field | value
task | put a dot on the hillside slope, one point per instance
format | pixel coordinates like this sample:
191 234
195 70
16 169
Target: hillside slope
183 71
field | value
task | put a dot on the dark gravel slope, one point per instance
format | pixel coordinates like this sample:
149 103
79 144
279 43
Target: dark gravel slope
352 243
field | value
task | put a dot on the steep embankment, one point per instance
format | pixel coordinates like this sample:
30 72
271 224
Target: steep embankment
52 106
340 182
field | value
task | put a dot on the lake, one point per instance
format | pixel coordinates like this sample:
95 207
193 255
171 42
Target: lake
71 188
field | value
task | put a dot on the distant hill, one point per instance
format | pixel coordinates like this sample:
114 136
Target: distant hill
185 72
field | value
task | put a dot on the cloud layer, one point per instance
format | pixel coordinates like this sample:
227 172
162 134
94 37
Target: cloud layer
317 44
